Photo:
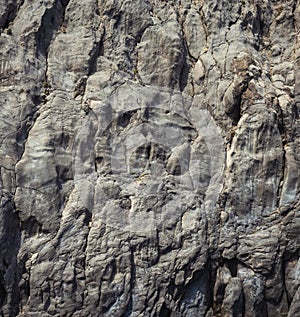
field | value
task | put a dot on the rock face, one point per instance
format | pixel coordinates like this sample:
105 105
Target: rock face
150 155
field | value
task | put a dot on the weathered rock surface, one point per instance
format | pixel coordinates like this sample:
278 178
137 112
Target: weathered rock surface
150 155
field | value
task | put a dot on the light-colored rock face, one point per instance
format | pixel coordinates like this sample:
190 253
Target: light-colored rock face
150 158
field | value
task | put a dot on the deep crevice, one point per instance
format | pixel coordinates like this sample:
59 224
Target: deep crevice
185 70
3 293
10 243
11 14
97 51
52 20
165 311
129 308
25 127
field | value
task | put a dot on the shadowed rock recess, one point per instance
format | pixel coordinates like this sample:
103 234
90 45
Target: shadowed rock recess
149 158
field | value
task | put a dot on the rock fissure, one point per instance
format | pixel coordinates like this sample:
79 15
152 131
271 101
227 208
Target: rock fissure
149 158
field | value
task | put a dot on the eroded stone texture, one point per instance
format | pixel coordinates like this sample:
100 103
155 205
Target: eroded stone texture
149 155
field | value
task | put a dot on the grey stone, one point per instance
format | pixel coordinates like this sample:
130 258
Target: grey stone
149 158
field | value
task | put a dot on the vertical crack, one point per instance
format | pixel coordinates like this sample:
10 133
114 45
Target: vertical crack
95 54
129 308
12 10
51 22
282 131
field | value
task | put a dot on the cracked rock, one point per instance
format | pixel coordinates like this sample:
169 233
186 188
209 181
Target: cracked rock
149 158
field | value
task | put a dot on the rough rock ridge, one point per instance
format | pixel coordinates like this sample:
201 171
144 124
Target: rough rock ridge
150 155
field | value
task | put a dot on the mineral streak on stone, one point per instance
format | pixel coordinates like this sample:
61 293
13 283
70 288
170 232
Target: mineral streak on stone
149 158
